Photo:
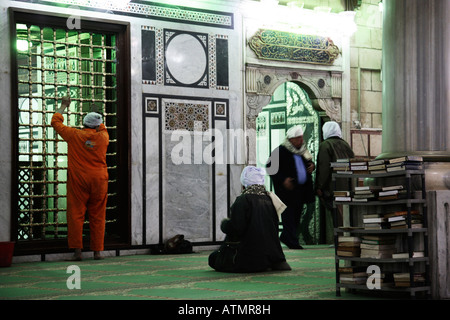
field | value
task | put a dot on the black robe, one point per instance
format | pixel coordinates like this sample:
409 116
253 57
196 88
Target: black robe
251 243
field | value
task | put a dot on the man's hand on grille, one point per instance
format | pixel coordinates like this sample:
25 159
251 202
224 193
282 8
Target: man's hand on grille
65 102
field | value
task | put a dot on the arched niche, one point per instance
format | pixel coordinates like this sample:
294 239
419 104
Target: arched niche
323 87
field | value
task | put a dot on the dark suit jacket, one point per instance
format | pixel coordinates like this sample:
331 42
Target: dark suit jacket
282 165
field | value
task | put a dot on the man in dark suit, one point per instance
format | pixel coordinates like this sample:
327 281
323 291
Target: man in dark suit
291 166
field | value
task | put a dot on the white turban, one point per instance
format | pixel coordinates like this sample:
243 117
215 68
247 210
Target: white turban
294 132
331 129
252 175
92 120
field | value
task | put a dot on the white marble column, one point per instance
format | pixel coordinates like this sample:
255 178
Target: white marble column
416 84
416 109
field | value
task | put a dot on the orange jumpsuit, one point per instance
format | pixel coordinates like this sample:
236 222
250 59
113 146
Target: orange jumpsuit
87 181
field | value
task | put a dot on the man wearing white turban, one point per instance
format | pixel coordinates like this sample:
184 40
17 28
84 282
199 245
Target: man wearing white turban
252 175
332 148
87 179
251 243
290 167
92 120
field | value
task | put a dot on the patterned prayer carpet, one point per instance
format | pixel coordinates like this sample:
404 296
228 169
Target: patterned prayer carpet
174 277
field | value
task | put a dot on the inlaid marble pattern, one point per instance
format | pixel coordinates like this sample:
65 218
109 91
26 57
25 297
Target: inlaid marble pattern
220 109
190 116
185 59
152 10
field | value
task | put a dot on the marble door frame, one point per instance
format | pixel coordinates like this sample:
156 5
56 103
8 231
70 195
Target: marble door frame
324 89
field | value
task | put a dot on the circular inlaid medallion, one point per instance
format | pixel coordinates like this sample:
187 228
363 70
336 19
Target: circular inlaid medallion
186 58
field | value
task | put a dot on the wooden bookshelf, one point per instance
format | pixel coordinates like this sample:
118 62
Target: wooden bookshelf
405 235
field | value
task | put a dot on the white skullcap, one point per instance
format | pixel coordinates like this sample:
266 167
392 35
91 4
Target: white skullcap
294 132
331 129
252 175
92 120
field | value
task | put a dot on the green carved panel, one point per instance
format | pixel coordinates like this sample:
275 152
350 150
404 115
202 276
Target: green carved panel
292 47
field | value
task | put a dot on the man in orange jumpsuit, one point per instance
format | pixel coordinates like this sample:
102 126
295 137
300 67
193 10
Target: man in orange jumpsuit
87 178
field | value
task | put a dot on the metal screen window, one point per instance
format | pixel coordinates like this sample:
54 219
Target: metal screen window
53 62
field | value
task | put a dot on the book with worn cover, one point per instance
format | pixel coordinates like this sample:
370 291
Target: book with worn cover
404 255
406 158
376 162
389 188
400 213
342 193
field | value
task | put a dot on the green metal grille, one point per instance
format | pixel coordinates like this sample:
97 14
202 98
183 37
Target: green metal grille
52 63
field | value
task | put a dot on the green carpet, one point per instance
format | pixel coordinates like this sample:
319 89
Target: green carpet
173 277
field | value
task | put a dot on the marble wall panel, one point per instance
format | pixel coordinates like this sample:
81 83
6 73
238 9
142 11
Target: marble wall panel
221 184
187 176
152 181
148 40
187 195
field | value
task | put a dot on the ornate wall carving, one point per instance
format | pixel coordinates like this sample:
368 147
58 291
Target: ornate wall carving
293 47
325 89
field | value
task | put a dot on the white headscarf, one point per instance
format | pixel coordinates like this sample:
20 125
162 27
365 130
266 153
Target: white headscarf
331 129
294 132
252 175
92 120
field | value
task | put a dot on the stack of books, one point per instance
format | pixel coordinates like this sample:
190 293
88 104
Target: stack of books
365 193
359 165
341 166
353 274
377 246
367 165
344 196
349 166
398 219
403 279
377 166
405 163
348 246
392 193
375 221
386 279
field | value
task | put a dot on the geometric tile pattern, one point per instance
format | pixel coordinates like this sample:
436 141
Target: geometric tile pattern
186 116
152 11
